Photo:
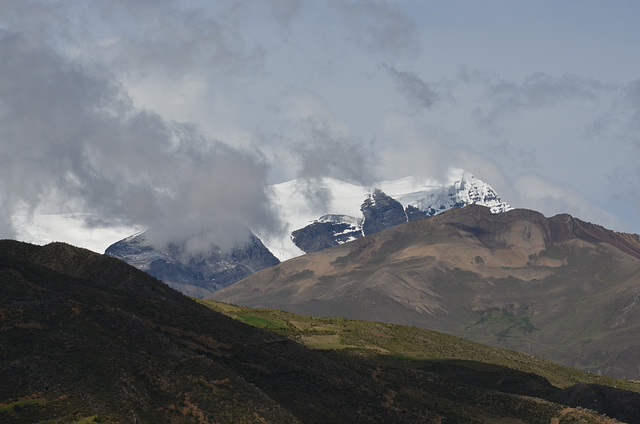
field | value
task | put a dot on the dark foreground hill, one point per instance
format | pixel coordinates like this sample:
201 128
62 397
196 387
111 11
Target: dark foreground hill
558 287
87 338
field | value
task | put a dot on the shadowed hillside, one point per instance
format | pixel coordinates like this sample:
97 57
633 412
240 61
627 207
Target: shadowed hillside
475 364
87 338
556 287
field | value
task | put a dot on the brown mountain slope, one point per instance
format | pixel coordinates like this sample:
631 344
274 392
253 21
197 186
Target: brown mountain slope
556 287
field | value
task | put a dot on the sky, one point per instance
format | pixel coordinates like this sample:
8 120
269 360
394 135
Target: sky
177 116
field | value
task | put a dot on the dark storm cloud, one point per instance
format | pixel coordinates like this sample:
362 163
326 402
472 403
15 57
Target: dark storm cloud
70 136
417 91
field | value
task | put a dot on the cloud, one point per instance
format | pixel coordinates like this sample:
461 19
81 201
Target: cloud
379 27
408 146
319 151
94 98
145 37
72 137
312 143
488 170
417 91
504 99
579 133
284 11
630 111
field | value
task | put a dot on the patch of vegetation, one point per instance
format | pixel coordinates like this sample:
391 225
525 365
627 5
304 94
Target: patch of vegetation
260 322
87 420
19 405
418 344
506 324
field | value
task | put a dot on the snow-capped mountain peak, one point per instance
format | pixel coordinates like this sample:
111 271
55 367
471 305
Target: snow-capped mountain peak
465 191
340 214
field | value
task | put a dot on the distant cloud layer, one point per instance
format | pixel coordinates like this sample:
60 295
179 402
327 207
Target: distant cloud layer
176 116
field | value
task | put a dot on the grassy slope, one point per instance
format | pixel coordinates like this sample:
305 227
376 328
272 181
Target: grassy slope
407 342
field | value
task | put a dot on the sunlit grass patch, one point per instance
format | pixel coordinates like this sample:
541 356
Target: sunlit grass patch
324 342
21 404
260 322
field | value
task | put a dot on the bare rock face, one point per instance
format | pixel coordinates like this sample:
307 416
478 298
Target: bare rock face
413 213
328 231
381 212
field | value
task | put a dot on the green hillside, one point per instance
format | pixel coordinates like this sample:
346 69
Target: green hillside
381 341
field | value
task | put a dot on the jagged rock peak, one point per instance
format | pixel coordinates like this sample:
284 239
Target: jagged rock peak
381 212
466 190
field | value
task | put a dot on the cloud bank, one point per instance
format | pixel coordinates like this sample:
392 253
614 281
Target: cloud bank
176 116
72 138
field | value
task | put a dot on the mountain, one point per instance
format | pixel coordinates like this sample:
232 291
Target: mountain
559 288
326 213
194 275
87 338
